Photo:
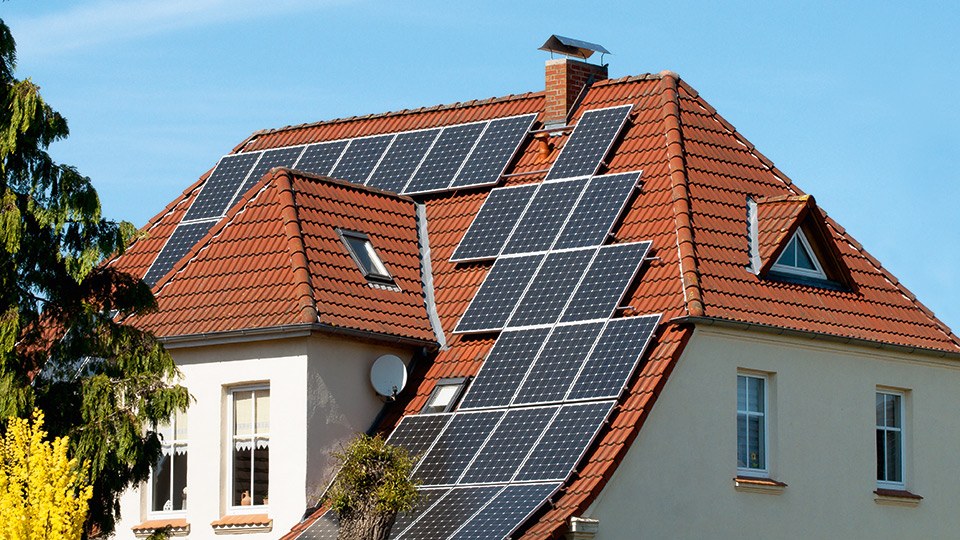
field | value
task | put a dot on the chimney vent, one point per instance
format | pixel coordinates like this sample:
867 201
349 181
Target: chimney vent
567 79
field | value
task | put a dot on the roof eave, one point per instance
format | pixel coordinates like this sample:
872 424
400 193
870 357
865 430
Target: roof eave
819 336
289 331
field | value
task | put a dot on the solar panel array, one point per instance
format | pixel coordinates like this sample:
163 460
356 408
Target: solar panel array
414 162
571 213
560 362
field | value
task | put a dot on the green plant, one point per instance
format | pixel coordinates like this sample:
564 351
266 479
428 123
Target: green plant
373 485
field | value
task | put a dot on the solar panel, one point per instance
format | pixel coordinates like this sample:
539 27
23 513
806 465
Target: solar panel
361 156
506 512
565 441
499 294
280 157
493 223
558 363
551 288
183 238
615 357
326 527
605 283
494 152
428 497
401 159
601 205
451 512
321 157
509 445
548 211
504 368
445 158
589 143
455 448
417 433
223 182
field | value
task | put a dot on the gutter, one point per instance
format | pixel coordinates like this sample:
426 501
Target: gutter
287 331
818 336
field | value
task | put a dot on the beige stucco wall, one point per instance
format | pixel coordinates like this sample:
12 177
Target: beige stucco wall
319 397
676 479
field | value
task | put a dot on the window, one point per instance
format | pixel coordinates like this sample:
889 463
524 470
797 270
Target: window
890 439
445 395
250 434
361 249
798 258
752 424
168 483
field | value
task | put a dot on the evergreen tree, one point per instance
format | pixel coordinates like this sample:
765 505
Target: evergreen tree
62 348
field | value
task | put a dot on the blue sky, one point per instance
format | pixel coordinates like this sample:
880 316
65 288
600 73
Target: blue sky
855 101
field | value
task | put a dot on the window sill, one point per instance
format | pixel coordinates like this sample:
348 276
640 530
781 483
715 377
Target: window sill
896 497
243 523
754 484
173 527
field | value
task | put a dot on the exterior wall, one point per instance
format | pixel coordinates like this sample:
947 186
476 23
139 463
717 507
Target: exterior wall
677 478
320 396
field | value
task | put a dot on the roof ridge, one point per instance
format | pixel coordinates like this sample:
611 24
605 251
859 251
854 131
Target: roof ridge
346 184
297 251
401 112
686 246
786 198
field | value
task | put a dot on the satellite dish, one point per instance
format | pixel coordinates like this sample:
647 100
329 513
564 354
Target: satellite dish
388 375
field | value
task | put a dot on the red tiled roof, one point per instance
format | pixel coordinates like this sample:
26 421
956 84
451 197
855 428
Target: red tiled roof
777 220
277 260
697 174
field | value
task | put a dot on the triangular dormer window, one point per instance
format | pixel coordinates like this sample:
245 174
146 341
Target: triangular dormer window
799 258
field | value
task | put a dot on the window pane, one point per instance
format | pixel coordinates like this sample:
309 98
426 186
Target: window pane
242 413
893 410
789 257
742 440
161 485
756 394
180 479
180 425
165 432
261 473
741 393
263 411
755 433
242 469
376 265
881 451
880 401
803 258
893 457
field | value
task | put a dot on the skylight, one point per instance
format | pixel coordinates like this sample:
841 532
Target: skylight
363 253
799 259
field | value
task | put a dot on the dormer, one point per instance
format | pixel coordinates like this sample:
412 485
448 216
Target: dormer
790 241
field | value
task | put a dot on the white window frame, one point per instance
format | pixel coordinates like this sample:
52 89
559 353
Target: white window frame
749 471
173 448
902 484
818 273
228 488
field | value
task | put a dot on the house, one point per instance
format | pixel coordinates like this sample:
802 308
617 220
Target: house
618 320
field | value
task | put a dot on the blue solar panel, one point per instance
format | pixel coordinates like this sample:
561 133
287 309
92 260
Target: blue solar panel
494 151
505 367
548 211
361 156
451 512
499 294
401 159
606 281
326 527
428 497
509 445
320 158
597 211
615 358
221 185
589 143
551 288
558 363
184 237
445 158
506 512
280 157
455 448
565 441
417 433
492 226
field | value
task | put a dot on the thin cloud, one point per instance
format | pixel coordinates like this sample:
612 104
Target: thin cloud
116 21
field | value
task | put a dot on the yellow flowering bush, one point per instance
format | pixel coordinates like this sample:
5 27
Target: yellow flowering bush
43 494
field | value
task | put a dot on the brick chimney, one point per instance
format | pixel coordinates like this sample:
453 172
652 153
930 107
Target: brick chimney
566 80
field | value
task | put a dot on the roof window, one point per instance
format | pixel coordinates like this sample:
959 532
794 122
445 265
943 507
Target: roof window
363 253
445 395
799 259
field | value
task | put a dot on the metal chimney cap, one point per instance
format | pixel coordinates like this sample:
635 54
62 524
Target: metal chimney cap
572 47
